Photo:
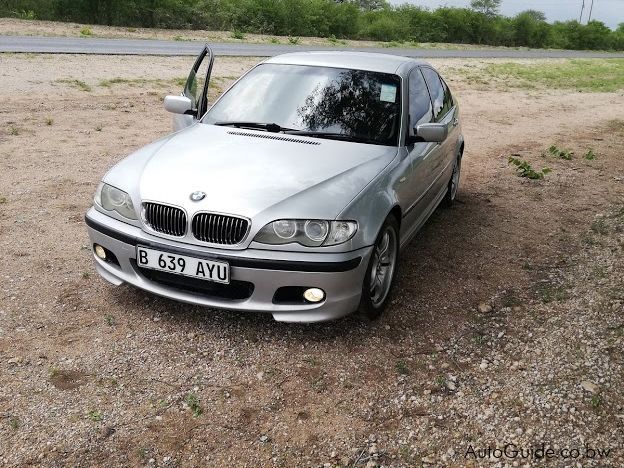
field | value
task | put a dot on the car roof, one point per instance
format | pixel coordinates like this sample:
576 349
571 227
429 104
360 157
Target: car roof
383 63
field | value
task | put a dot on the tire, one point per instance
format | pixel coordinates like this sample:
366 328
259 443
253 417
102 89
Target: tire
379 278
453 184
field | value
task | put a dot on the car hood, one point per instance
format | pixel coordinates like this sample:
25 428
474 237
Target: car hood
251 173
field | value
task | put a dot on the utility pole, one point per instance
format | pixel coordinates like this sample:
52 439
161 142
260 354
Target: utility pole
590 11
582 8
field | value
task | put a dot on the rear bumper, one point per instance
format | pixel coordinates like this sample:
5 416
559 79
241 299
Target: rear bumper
264 271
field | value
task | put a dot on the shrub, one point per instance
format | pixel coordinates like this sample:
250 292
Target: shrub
524 169
236 34
560 153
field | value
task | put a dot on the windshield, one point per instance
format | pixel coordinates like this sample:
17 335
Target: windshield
353 105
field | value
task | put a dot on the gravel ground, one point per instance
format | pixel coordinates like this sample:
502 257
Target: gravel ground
505 329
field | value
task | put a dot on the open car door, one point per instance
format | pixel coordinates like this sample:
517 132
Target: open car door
192 104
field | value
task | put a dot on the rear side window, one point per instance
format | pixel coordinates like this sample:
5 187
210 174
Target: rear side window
437 93
419 101
448 98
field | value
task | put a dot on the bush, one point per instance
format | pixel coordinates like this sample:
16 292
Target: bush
236 34
380 28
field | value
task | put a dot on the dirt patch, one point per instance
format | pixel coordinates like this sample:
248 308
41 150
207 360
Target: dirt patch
67 379
433 377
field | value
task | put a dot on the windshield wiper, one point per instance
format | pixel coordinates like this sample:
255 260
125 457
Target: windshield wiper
334 136
269 127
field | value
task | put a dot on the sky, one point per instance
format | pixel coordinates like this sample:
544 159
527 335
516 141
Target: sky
610 12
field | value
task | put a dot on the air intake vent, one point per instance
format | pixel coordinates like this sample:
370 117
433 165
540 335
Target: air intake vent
166 219
219 229
273 136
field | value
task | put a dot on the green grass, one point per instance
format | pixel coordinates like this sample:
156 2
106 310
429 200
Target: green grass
193 403
95 415
589 75
392 44
86 32
596 401
114 81
401 367
560 153
480 340
109 83
600 227
332 40
81 85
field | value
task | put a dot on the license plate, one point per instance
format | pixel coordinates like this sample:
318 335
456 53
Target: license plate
208 270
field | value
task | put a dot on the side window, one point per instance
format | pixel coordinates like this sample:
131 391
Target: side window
436 91
448 98
194 87
419 101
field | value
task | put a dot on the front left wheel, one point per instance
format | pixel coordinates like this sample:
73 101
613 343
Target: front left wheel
379 277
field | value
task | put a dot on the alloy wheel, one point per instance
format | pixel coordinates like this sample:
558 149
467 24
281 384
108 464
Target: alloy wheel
382 270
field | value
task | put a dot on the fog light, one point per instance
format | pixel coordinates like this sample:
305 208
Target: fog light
314 295
100 251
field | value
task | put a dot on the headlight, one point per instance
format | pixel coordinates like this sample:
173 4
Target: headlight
113 199
316 231
285 228
311 232
341 231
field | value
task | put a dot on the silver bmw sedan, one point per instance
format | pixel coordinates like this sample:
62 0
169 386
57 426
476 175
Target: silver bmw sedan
292 194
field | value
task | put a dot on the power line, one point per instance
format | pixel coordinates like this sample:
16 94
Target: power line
582 8
590 11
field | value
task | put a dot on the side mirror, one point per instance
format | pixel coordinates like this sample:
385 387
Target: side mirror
431 132
178 105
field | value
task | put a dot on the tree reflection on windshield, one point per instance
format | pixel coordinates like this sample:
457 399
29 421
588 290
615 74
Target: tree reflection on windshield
353 104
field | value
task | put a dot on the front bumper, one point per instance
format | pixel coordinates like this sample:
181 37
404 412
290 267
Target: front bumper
340 275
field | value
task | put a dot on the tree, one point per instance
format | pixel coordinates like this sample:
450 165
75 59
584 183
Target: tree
596 35
534 15
487 7
530 29
368 5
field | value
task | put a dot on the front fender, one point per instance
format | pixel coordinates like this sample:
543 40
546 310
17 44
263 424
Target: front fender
371 207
